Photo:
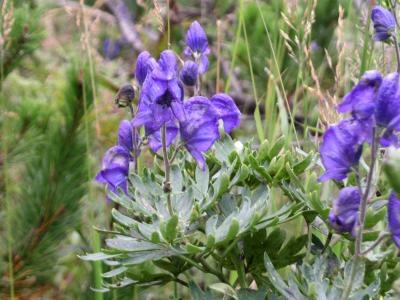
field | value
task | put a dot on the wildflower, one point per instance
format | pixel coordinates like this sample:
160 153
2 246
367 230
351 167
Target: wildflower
227 111
189 73
361 99
125 95
384 23
197 46
115 169
394 218
142 66
342 146
154 135
200 130
161 99
344 213
111 48
387 113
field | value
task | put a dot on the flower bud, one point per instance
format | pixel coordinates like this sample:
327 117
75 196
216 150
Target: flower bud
189 73
125 95
384 23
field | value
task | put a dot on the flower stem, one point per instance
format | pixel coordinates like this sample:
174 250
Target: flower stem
396 43
134 139
381 238
361 218
167 182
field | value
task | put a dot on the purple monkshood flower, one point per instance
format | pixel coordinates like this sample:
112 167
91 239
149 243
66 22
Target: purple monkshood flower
197 46
384 23
161 99
360 101
200 130
344 213
394 218
115 169
189 73
342 146
145 63
227 111
387 109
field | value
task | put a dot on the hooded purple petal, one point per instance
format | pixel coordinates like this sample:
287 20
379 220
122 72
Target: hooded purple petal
394 218
227 111
384 23
189 73
125 135
342 146
167 66
142 66
200 130
196 38
344 212
361 100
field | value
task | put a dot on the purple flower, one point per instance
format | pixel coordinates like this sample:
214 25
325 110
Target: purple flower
388 108
197 46
384 23
344 213
200 130
111 48
361 100
394 218
161 99
342 146
189 73
227 111
115 169
154 135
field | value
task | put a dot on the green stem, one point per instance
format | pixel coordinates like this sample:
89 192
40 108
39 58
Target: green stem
167 182
361 218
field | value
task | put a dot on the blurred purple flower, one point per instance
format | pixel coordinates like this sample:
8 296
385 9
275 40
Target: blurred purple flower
394 218
344 212
387 112
227 111
197 46
111 48
161 99
189 73
200 130
360 101
342 146
115 169
154 135
384 23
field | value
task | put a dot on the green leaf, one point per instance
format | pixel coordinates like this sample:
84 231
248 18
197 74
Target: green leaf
193 249
122 219
114 272
176 179
198 294
97 256
263 152
169 230
249 294
131 245
202 180
277 147
224 289
301 166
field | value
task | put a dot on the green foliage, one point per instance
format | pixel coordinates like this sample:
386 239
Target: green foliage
47 202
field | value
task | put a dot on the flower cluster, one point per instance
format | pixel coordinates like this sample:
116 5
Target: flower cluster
374 107
165 113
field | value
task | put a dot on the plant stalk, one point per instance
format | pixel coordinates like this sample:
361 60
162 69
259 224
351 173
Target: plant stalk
134 138
361 218
167 166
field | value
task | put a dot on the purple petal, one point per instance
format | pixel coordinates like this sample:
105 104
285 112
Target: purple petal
227 111
167 66
189 73
388 102
142 67
344 213
203 64
342 146
196 38
200 130
154 135
361 100
394 218
125 135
